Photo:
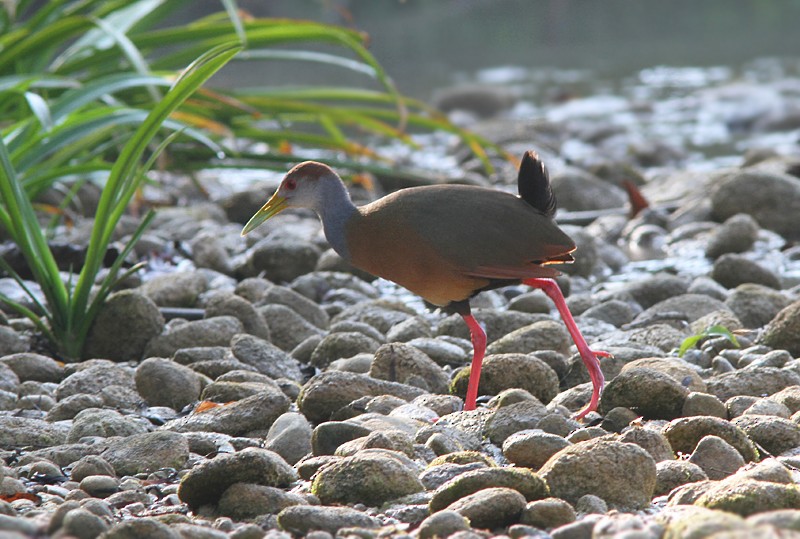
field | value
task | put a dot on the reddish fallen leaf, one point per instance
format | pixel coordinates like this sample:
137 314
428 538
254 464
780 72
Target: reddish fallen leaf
20 496
205 406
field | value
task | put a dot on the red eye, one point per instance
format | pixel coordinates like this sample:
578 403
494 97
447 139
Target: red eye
290 184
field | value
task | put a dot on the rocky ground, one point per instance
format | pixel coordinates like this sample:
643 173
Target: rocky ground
285 395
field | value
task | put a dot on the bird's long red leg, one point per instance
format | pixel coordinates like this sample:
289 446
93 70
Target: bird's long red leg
478 350
589 357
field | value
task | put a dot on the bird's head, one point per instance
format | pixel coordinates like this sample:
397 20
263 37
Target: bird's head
302 187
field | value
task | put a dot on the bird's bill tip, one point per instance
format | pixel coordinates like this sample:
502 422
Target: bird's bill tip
274 206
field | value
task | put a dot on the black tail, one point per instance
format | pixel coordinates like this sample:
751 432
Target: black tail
534 184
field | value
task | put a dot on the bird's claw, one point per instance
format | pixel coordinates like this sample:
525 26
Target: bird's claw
600 353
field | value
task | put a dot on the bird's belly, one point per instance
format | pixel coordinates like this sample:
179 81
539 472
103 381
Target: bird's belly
437 285
419 271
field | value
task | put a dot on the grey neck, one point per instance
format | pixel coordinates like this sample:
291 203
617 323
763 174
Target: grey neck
335 213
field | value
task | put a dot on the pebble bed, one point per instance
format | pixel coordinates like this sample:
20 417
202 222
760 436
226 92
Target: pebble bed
259 387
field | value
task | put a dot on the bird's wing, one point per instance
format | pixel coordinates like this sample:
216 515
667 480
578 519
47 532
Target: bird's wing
444 243
488 233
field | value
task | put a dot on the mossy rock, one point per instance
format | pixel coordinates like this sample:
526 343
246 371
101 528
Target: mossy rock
524 481
463 457
749 497
365 478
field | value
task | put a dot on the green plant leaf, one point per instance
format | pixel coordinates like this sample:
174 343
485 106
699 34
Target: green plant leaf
711 331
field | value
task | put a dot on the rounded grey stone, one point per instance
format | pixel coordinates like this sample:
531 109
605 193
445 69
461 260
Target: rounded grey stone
178 289
302 519
532 448
31 366
341 345
148 452
104 423
755 305
91 465
504 371
287 328
490 507
331 390
99 486
685 433
548 513
406 364
783 331
442 524
251 415
83 524
206 482
290 437
732 270
265 357
162 382
232 305
736 235
217 331
243 501
624 475
370 479
671 474
648 392
143 321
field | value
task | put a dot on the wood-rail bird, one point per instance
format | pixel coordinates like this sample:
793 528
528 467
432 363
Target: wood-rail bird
446 243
